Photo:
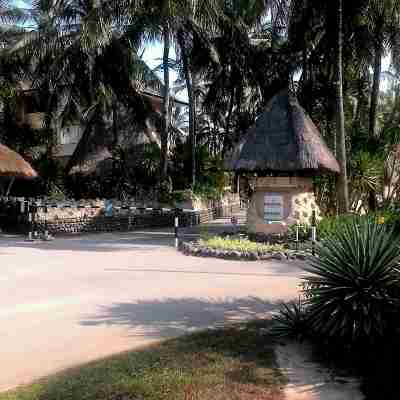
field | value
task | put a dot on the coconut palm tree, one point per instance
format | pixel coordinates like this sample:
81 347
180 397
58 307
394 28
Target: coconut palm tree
175 23
382 18
79 57
343 189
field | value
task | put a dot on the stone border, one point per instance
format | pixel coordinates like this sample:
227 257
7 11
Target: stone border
194 249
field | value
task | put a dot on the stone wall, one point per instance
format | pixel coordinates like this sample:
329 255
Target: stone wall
92 216
128 222
298 205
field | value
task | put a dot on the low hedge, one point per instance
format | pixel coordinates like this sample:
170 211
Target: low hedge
329 225
239 244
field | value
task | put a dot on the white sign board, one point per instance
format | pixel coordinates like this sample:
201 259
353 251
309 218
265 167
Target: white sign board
273 207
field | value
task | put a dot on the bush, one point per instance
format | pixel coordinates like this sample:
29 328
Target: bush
329 225
304 231
352 293
207 192
236 244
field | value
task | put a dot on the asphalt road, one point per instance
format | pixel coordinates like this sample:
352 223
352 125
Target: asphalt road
74 300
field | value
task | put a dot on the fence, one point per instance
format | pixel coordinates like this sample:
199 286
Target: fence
20 215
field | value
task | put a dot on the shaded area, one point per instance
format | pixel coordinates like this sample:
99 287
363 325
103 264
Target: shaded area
289 272
235 363
101 242
142 239
172 317
309 379
378 366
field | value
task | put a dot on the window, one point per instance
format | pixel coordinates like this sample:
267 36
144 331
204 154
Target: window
273 207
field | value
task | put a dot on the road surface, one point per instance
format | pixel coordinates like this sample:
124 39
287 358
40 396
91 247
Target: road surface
77 299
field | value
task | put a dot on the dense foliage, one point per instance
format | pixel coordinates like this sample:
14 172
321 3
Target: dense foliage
328 226
81 63
352 289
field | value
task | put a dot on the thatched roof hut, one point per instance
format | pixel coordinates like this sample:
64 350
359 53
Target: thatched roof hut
13 165
283 140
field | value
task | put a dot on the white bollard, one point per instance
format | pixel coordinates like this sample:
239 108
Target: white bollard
176 232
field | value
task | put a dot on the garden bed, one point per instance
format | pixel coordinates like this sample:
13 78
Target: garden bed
240 248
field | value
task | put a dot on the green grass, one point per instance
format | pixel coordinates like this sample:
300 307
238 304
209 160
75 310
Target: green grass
233 363
236 244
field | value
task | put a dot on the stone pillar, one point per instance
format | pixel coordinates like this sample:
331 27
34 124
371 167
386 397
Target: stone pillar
291 197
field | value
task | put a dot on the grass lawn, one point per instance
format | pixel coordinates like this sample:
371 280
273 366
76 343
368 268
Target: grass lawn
235 363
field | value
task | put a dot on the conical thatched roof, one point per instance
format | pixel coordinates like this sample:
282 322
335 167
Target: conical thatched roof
13 165
283 139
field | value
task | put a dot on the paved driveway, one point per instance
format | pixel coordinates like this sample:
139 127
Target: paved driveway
77 299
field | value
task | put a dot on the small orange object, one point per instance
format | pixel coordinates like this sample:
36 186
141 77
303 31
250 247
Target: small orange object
381 220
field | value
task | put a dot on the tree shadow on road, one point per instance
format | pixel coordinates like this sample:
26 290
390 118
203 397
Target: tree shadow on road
104 242
172 317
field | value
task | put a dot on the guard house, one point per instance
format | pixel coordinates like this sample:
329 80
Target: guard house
284 150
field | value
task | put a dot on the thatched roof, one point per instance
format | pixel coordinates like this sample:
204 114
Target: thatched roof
283 139
13 165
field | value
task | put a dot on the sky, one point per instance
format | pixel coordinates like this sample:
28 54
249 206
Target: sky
152 56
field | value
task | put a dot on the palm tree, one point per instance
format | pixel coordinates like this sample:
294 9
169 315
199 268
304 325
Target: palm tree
149 21
233 62
175 23
343 190
383 22
78 56
316 31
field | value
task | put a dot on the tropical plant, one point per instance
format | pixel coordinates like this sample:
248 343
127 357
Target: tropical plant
382 21
366 176
177 23
292 321
352 291
82 65
343 188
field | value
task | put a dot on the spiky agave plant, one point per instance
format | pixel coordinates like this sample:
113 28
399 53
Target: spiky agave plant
352 291
292 321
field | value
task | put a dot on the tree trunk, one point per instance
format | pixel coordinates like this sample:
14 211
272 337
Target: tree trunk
115 122
10 186
228 120
343 191
375 89
372 203
192 102
165 108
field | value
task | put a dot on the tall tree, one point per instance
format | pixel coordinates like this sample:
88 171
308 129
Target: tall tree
79 58
383 22
191 98
343 191
166 36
